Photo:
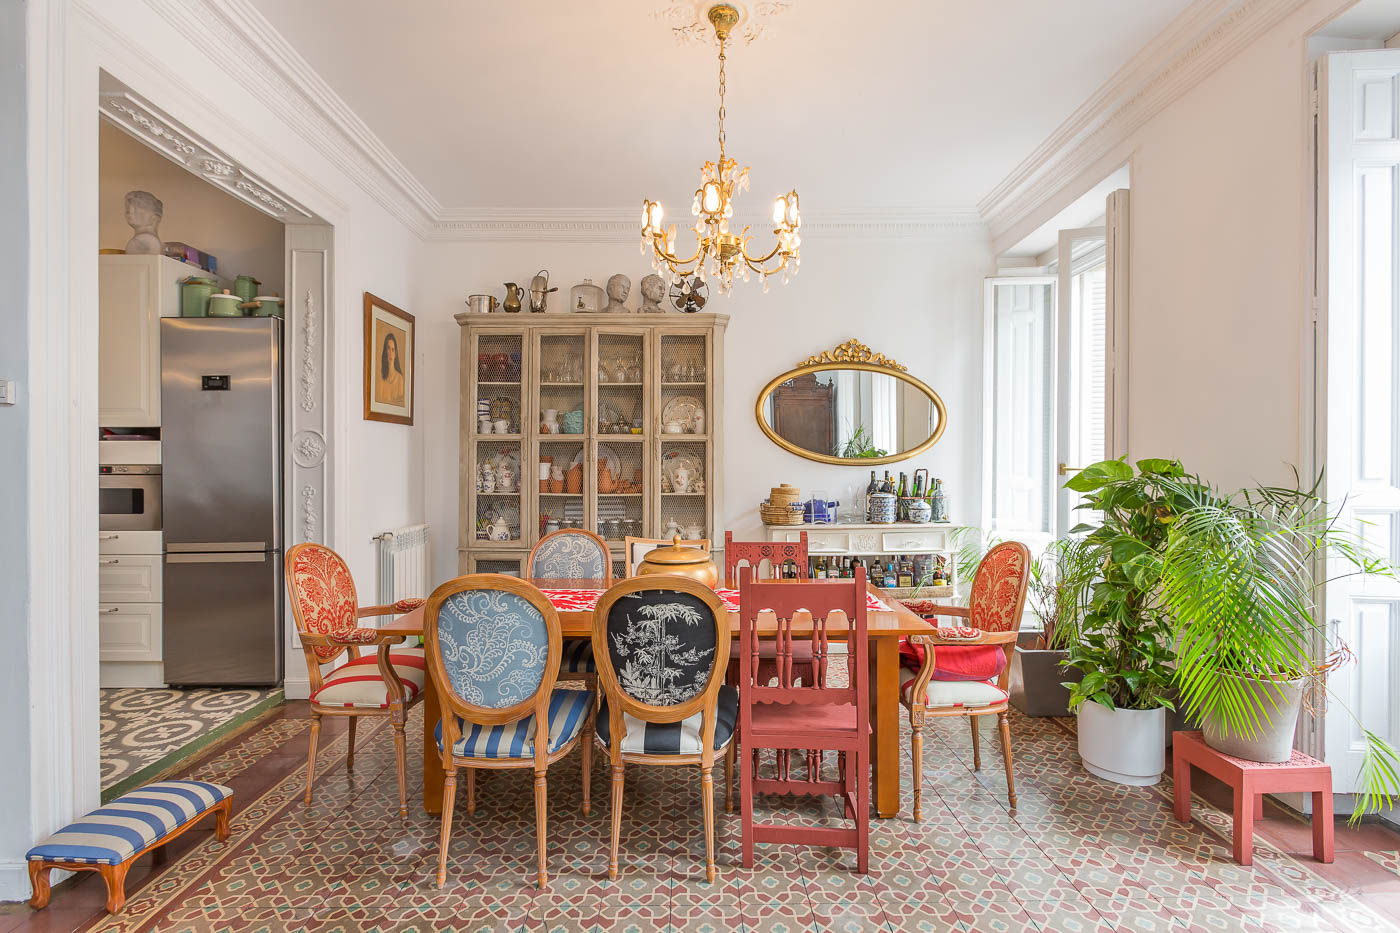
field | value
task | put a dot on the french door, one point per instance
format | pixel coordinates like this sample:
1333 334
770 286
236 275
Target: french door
1358 386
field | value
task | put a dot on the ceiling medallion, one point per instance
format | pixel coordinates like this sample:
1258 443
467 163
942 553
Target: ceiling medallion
720 252
853 351
690 24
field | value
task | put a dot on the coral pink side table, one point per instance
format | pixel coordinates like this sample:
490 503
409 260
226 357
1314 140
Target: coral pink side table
1251 780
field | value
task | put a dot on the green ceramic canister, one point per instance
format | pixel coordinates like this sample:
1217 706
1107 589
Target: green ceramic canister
264 306
225 304
194 295
246 287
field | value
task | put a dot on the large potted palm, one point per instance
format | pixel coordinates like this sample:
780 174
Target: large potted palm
1230 580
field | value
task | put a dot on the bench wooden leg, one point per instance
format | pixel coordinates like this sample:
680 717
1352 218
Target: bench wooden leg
39 884
221 818
1258 806
1181 787
1244 825
1322 825
115 878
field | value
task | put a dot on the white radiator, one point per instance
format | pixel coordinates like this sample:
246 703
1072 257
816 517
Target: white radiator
403 564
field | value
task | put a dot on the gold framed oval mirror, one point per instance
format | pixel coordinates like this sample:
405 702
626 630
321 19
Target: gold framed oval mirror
852 407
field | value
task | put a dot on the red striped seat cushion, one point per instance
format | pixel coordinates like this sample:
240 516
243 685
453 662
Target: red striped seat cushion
359 683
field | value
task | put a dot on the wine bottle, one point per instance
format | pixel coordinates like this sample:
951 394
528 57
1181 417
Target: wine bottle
870 491
901 512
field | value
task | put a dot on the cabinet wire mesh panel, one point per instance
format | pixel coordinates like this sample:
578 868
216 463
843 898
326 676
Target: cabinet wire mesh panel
608 422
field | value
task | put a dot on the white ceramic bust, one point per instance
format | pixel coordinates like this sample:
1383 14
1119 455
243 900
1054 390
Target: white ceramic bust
143 214
619 287
653 290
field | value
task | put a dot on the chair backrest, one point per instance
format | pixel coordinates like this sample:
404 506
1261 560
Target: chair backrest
634 549
322 594
493 650
999 588
754 553
571 553
661 644
803 611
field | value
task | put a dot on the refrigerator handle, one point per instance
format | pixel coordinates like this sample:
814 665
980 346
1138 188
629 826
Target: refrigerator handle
259 557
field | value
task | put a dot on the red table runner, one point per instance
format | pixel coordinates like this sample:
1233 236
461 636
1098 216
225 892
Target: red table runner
584 600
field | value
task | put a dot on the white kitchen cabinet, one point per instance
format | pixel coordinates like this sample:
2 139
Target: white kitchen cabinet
134 293
129 632
129 578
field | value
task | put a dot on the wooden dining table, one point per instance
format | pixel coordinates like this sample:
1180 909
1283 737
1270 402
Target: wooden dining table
885 627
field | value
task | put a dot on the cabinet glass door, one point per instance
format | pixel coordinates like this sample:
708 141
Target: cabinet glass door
683 363
623 415
561 474
498 431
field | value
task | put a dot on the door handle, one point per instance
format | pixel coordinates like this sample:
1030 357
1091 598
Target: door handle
108 537
110 560
110 611
1065 470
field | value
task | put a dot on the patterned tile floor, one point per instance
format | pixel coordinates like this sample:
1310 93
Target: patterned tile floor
1078 854
145 730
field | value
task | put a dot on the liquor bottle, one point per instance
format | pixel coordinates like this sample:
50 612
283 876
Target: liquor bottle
906 572
820 572
887 485
870 491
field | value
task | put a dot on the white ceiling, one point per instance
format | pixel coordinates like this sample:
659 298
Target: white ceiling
543 104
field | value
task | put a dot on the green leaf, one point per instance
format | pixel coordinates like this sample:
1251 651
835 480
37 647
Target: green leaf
1160 466
1099 474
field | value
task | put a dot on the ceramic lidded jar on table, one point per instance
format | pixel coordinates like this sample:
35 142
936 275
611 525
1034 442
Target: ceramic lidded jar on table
679 560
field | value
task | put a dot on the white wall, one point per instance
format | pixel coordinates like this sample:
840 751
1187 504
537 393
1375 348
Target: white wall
242 238
1219 330
917 300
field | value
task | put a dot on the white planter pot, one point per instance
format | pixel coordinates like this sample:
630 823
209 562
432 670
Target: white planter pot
1126 746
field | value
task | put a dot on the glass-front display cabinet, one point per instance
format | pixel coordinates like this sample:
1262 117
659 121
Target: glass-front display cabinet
609 422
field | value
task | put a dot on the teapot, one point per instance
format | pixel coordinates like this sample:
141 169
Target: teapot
514 295
499 530
505 478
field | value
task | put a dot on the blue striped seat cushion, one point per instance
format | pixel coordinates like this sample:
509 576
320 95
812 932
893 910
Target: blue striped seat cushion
578 657
568 711
674 738
113 833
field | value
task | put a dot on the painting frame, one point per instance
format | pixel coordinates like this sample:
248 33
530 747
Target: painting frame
387 372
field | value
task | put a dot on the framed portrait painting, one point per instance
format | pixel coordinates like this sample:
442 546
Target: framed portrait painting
389 354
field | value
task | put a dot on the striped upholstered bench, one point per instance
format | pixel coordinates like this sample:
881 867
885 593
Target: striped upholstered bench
111 837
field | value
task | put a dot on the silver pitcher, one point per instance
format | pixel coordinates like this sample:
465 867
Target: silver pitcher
481 304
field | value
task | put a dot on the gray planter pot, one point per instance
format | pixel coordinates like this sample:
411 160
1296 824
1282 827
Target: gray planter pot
1278 703
1036 676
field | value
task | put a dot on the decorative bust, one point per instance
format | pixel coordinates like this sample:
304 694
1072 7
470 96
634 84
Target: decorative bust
619 287
143 214
653 290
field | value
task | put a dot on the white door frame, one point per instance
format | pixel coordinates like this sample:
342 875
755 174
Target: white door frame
70 42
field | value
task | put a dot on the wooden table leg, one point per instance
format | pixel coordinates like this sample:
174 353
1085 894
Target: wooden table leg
884 714
1322 825
1181 785
432 764
1244 823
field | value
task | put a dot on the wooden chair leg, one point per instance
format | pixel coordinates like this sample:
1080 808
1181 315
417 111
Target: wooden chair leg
917 748
39 885
748 765
221 818
586 764
1004 727
350 752
863 789
115 877
729 778
541 815
449 796
707 803
471 791
400 764
976 745
311 755
616 817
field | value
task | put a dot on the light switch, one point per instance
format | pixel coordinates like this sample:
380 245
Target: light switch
7 391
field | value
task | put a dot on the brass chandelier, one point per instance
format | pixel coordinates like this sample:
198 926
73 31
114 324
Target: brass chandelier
720 253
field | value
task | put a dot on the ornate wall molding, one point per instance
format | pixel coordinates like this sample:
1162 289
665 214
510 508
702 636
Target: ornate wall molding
310 346
1200 40
143 120
690 25
309 438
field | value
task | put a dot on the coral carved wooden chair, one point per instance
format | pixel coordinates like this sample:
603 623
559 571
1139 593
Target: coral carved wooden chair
576 554
817 716
634 549
493 652
752 554
385 683
661 644
965 670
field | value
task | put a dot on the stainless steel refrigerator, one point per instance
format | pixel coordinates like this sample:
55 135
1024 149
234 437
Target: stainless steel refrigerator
221 447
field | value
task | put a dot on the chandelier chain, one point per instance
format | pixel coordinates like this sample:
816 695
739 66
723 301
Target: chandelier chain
721 101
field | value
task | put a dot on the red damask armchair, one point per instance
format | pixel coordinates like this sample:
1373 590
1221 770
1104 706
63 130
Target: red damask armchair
385 683
964 671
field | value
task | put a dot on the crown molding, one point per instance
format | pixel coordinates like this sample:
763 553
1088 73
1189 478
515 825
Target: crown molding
614 225
1194 45
234 35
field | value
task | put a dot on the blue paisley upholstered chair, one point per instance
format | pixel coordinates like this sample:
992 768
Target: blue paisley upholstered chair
573 553
662 645
493 654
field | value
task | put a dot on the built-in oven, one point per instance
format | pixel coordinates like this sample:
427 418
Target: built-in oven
128 497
